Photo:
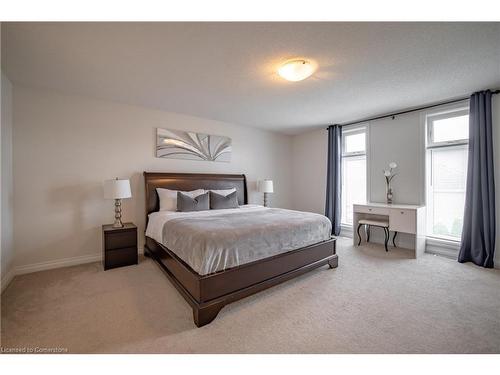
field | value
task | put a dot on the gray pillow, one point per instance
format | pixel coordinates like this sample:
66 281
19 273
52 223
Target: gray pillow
218 202
185 203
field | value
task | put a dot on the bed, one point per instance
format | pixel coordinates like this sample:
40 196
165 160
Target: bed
216 257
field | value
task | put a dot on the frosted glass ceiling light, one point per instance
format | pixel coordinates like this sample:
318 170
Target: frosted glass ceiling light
297 70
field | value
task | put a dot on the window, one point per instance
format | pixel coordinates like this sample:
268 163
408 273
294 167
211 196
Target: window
447 150
353 170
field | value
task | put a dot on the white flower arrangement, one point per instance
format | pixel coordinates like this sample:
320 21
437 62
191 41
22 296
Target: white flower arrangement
389 175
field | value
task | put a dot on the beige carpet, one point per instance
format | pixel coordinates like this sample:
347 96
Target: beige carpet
373 303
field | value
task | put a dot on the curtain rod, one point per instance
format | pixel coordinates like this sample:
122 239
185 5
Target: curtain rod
402 112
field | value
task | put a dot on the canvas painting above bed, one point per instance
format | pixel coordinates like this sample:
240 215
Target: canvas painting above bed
177 144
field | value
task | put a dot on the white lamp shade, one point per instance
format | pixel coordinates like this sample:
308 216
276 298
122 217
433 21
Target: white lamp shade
266 186
117 189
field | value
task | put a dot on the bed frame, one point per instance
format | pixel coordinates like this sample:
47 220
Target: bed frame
208 294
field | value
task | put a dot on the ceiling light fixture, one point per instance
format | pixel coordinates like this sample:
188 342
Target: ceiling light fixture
297 70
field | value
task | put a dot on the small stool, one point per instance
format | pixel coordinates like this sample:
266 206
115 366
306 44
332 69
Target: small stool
376 223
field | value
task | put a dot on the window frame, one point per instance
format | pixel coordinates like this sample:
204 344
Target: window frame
353 130
431 117
457 111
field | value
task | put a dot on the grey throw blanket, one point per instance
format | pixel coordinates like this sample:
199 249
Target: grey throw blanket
217 242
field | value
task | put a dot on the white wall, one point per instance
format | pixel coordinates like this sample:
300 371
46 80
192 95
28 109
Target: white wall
66 146
7 249
398 140
309 160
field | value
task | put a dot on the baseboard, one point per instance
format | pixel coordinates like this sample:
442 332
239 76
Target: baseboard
346 230
7 278
59 263
53 264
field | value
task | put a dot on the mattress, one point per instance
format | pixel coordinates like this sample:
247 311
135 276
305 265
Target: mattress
215 240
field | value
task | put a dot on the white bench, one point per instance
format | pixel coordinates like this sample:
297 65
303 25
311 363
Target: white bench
376 223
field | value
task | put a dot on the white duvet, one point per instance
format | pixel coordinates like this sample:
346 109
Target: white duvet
215 240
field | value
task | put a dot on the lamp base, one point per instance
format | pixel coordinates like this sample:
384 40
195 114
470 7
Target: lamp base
118 214
118 224
266 200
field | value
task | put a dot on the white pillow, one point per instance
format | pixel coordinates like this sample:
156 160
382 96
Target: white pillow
224 192
168 198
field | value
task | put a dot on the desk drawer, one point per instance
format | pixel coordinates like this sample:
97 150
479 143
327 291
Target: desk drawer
371 210
401 220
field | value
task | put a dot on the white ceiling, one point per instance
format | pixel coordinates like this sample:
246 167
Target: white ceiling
227 71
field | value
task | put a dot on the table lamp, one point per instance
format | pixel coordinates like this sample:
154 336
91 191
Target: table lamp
266 187
117 190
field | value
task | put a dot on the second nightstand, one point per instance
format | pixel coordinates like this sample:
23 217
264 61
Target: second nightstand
119 246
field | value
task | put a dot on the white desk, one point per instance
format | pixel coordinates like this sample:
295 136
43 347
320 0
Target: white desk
402 219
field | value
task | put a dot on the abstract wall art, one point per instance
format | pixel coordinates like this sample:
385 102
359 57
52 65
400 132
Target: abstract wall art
177 144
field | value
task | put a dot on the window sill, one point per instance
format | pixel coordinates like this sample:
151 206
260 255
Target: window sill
447 239
443 247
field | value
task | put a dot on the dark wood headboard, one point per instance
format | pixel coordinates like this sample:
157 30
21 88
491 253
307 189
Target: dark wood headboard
191 181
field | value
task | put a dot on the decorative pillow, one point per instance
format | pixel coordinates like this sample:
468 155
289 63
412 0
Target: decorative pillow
168 198
224 192
219 202
185 203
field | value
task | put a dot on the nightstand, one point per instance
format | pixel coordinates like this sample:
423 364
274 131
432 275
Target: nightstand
119 246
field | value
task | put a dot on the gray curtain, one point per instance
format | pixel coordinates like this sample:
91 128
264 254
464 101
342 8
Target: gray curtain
333 177
478 234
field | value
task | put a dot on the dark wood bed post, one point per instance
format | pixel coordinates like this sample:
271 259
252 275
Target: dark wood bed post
208 294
